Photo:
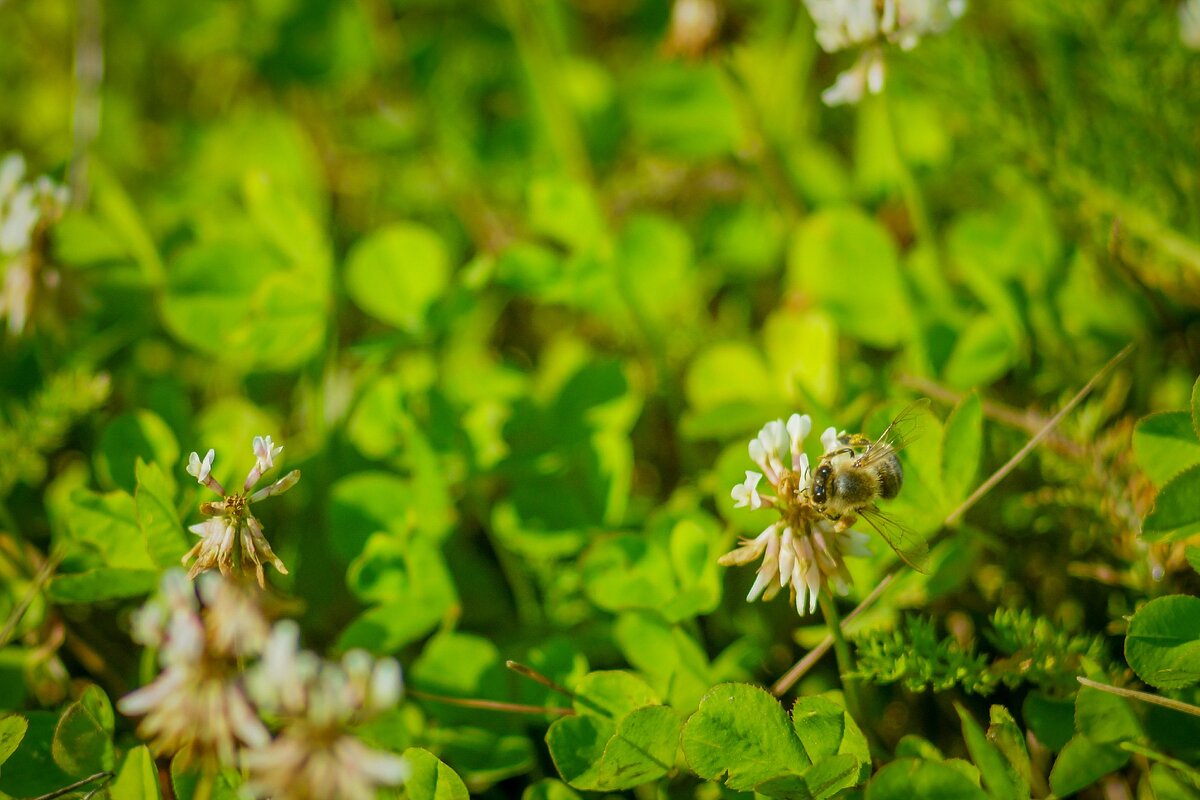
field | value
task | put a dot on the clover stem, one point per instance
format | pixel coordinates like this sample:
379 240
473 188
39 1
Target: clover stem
845 661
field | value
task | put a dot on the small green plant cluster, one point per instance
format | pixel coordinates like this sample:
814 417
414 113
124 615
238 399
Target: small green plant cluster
1025 649
555 399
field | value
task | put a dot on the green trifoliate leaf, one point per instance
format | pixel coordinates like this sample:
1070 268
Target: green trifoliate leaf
620 738
431 779
740 734
396 273
906 778
1105 718
1176 511
156 516
1165 444
82 743
1163 642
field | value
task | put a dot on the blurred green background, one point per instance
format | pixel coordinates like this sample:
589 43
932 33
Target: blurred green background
515 281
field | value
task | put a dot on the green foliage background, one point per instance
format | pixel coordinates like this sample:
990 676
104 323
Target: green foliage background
514 282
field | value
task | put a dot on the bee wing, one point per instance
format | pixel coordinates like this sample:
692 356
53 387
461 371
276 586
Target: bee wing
898 434
907 543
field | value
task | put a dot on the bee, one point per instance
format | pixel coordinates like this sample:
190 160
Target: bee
850 478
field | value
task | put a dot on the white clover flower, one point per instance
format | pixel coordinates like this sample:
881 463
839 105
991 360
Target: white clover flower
1189 23
746 494
232 538
802 551
26 208
315 754
845 24
197 705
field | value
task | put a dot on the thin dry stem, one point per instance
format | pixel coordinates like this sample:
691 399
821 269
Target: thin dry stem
492 705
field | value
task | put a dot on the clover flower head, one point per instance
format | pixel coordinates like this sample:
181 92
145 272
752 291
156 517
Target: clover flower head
197 705
232 538
26 208
802 551
871 24
315 754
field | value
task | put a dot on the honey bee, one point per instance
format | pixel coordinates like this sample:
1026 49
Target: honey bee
850 478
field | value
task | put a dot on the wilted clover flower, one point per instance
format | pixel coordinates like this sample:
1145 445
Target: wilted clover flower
315 755
802 550
25 207
843 24
197 704
232 540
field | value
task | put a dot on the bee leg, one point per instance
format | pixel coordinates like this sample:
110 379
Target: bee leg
844 522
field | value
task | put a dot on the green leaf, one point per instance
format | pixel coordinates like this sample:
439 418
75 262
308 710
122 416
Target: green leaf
1192 554
906 778
82 743
459 665
628 571
549 789
103 583
1051 719
620 738
137 436
243 303
983 352
1169 784
1165 444
1105 718
364 503
826 729
105 527
565 211
137 777
654 263
845 262
999 776
156 516
31 769
1083 762
225 785
431 779
592 752
412 585
741 734
675 665
1196 408
1176 511
1005 735
12 731
1163 642
396 273
962 445
727 373
682 110
482 757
